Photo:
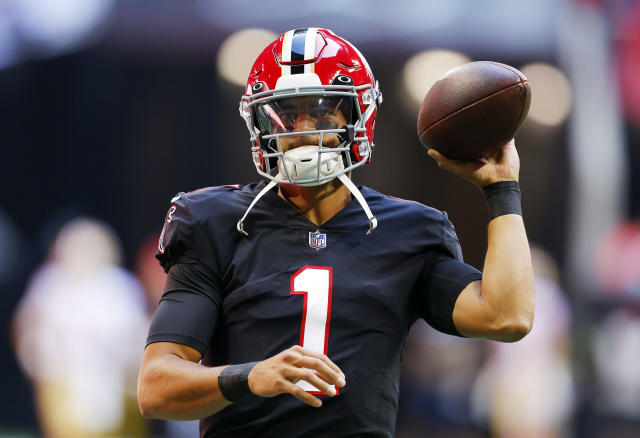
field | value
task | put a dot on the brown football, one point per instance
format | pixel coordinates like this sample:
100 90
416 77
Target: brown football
474 109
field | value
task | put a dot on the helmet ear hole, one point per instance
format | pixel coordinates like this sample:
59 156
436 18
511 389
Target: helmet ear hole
258 87
342 80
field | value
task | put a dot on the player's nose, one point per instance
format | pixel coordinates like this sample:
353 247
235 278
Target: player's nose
304 122
302 140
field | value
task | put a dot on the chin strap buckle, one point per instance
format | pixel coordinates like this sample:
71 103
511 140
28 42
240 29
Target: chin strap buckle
373 221
240 225
373 224
240 228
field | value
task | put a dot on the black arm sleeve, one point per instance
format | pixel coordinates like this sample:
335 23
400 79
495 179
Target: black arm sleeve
188 310
439 287
443 277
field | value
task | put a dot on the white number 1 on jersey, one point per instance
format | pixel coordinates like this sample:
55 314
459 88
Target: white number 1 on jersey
315 283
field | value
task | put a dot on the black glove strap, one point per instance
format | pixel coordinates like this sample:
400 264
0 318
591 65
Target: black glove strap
503 198
233 381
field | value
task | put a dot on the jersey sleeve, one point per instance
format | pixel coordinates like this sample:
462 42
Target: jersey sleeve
188 310
443 276
177 243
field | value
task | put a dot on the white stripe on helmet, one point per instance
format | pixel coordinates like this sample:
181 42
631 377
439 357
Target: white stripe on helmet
286 52
310 48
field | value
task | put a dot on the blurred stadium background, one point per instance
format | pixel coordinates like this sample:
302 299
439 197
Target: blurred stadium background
110 107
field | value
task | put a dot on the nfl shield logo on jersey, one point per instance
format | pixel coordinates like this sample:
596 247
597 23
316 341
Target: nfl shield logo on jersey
317 240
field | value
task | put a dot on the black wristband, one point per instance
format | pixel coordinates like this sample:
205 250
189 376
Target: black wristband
503 198
233 381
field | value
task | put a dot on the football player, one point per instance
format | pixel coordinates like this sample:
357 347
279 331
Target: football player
288 301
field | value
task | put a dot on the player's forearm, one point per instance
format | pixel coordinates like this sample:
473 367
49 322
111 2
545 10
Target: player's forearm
507 279
172 388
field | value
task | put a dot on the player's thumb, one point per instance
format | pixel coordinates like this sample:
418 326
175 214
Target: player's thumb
437 156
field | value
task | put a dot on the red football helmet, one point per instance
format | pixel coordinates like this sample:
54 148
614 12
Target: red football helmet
315 71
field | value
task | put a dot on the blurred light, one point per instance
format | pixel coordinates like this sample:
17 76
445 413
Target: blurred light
60 24
628 51
617 259
389 19
8 42
238 52
425 68
551 96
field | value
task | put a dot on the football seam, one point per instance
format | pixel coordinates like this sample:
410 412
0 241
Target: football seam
520 83
509 69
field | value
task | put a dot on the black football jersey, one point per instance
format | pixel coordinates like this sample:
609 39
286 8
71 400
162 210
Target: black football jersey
331 288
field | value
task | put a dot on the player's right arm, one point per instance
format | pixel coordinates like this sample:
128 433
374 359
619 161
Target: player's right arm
172 384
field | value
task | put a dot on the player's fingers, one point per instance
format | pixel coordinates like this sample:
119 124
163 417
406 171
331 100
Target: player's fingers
301 394
437 156
324 371
310 376
448 164
323 358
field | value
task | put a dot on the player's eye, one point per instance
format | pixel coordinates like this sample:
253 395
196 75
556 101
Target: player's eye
327 125
288 117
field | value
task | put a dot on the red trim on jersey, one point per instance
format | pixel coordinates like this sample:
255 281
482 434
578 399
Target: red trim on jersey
235 186
402 199
330 298
304 305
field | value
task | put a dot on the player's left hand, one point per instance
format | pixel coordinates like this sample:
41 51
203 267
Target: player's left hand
502 165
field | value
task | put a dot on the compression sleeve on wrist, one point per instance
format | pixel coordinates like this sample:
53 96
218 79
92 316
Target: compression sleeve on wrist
503 198
233 381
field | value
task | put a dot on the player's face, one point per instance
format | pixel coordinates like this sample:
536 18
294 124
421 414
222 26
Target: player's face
310 113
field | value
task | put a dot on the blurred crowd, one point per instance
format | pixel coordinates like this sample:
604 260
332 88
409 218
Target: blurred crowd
79 333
